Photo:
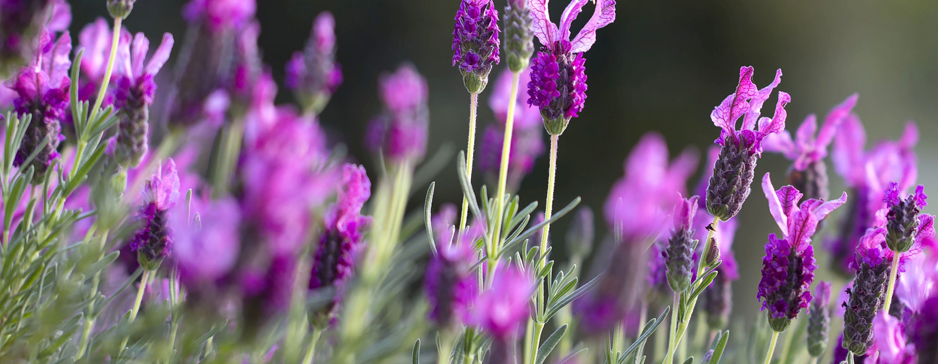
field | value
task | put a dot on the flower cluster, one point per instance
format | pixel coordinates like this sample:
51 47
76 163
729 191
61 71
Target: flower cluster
313 74
475 42
400 132
153 240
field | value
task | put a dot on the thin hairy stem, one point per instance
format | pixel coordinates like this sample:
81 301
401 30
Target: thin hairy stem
470 148
311 351
503 167
771 349
110 68
892 281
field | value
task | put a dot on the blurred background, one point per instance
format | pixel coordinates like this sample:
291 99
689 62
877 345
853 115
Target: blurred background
662 66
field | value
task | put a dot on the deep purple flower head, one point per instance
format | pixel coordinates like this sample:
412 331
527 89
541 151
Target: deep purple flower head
475 42
501 310
906 226
21 23
153 240
789 264
650 188
867 173
450 285
343 235
558 74
725 232
526 146
526 117
220 15
400 132
313 74
819 319
134 94
42 92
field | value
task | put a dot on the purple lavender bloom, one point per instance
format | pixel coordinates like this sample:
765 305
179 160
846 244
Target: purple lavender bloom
42 92
95 38
400 132
650 188
134 94
789 264
475 42
343 237
503 307
867 173
807 152
905 224
819 319
735 168
450 285
313 74
679 256
220 15
558 75
21 23
872 264
153 240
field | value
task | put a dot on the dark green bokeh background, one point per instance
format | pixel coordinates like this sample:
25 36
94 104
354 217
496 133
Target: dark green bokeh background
663 65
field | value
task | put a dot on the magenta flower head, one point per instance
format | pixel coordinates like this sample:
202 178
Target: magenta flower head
681 246
220 15
735 168
872 264
153 240
343 236
867 173
501 310
475 42
789 264
213 232
21 23
808 172
819 319
450 285
519 35
134 95
313 74
42 92
905 224
649 189
400 132
890 341
558 75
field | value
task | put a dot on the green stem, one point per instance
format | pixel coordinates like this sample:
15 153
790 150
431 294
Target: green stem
535 341
672 331
786 347
503 168
548 209
892 281
473 106
442 352
133 312
107 71
311 352
849 357
771 350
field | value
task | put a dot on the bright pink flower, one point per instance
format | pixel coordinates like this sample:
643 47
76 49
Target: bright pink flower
506 305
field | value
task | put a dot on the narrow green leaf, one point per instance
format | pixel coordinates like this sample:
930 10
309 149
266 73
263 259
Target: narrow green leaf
416 353
548 346
689 360
647 331
552 310
534 229
427 216
720 346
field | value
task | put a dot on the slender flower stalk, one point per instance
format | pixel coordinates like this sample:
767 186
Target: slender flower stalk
311 351
771 350
470 148
503 170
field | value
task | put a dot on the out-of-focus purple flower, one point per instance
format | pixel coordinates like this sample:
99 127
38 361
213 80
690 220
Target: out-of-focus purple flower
343 235
872 264
475 42
213 233
95 38
558 74
650 188
918 281
867 173
21 23
906 226
819 319
735 168
526 117
889 340
313 74
924 330
620 289
153 241
267 288
526 146
42 91
400 132
134 94
450 284
220 15
506 305
808 172
789 264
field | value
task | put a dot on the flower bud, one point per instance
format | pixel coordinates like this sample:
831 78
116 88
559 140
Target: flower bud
519 37
819 319
902 220
681 245
732 175
120 9
866 298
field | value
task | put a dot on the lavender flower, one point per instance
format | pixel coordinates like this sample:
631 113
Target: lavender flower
819 319
717 299
905 224
789 264
343 236
519 35
450 284
400 132
681 246
735 168
134 95
890 341
558 75
42 91
808 172
867 173
872 264
502 308
21 23
313 74
649 188
153 240
475 42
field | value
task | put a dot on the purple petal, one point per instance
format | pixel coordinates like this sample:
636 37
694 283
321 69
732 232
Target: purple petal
160 55
781 143
832 122
138 52
755 105
804 138
59 61
925 236
789 197
775 205
801 226
848 150
61 16
826 208
909 136
95 38
733 106
324 32
777 124
545 31
604 15
570 13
